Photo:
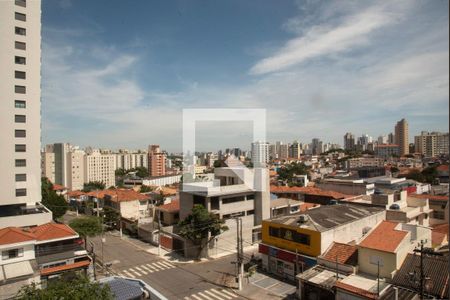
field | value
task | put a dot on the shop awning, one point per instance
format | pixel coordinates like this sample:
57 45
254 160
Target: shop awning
58 269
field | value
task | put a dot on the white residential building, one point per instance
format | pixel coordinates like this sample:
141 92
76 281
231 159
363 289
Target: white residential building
20 97
100 167
260 154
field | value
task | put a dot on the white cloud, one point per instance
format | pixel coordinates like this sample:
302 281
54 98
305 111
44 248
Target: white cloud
321 40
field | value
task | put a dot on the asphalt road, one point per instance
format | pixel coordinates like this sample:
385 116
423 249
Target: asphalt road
172 280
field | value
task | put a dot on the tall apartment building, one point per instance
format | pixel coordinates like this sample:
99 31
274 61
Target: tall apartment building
402 136
260 154
284 151
48 165
100 167
391 138
349 141
295 150
431 144
316 146
20 116
131 160
156 161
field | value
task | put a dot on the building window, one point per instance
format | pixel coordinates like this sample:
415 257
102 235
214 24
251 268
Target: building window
290 235
20 45
250 212
20 60
20 104
21 31
20 118
20 75
21 177
21 162
20 17
21 192
21 148
22 3
12 253
20 89
440 215
20 133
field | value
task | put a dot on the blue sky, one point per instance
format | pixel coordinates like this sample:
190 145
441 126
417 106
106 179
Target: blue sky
119 75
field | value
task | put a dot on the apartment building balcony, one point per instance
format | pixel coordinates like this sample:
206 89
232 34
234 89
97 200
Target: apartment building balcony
48 255
22 215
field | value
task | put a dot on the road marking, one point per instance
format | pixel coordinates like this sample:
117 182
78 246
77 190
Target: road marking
203 295
220 293
213 295
140 270
150 266
135 272
167 264
163 267
198 298
229 293
128 274
147 268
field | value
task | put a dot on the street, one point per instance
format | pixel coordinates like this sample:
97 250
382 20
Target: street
212 279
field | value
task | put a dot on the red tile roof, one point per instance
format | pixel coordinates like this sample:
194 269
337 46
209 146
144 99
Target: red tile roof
307 191
345 254
51 231
171 207
305 206
442 168
45 232
356 290
57 269
119 195
75 194
13 235
57 187
439 234
384 237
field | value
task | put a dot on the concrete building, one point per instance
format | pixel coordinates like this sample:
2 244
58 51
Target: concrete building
20 83
48 165
260 154
229 197
348 187
292 243
295 150
316 146
129 161
362 162
129 203
156 161
100 167
38 253
431 144
284 151
387 150
402 136
349 141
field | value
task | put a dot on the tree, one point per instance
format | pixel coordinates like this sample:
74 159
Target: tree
145 189
50 199
77 287
120 172
141 172
200 225
110 216
289 170
92 186
86 227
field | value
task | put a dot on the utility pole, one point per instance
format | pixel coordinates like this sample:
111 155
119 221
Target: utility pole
93 259
159 236
239 253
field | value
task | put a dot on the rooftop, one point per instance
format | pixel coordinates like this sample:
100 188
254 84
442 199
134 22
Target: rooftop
430 197
342 253
119 195
324 218
173 206
307 191
45 232
385 237
284 202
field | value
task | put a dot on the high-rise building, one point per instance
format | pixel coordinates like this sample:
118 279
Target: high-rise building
273 151
316 146
100 167
402 136
431 144
349 141
295 150
284 151
260 154
382 139
391 138
20 113
156 161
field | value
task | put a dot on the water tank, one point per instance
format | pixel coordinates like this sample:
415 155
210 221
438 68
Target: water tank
303 218
394 206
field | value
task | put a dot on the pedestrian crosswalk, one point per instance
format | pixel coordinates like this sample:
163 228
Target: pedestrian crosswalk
144 269
212 294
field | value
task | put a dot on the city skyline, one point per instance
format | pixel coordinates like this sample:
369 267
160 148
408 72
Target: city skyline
150 61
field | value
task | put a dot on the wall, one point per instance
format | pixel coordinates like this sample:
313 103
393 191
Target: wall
130 209
28 252
26 220
389 261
